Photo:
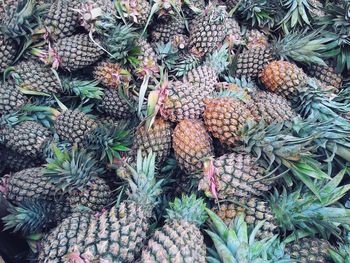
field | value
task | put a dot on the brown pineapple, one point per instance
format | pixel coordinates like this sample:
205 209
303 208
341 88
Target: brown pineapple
191 144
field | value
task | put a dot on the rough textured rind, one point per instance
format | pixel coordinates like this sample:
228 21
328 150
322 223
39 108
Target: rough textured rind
191 144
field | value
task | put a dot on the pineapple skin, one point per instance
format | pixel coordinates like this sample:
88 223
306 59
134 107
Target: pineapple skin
326 75
224 117
27 138
65 22
191 143
11 99
252 61
270 107
204 78
207 32
8 50
255 211
35 76
77 52
109 74
237 175
283 78
167 244
116 235
184 101
112 104
14 162
157 139
96 195
309 250
73 126
163 30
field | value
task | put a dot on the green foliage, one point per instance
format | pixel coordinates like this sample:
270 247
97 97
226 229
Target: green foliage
302 210
335 25
71 170
121 44
236 243
29 217
188 208
108 141
83 88
144 189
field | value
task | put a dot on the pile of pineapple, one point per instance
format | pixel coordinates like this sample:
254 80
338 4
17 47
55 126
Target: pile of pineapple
176 131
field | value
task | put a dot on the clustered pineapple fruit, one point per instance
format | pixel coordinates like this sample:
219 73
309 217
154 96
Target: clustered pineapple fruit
175 131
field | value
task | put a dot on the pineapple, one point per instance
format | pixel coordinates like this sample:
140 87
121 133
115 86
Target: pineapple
11 99
236 242
254 211
180 237
116 103
62 20
8 51
15 162
224 117
34 76
77 173
283 78
270 107
73 125
205 76
186 99
250 62
207 31
28 138
233 35
71 53
297 210
304 48
156 139
147 60
30 185
309 250
107 237
255 39
236 175
191 144
326 75
111 75
163 30
183 101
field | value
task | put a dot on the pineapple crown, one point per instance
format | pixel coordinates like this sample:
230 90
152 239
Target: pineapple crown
302 210
332 137
279 151
315 104
21 20
108 141
86 89
71 170
336 27
297 14
144 189
219 59
30 217
340 254
235 243
304 47
188 208
121 44
260 13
